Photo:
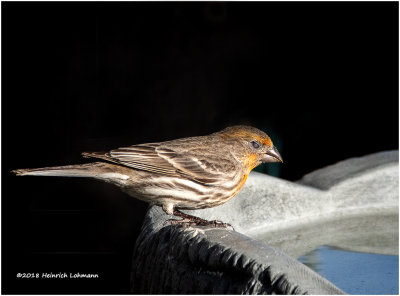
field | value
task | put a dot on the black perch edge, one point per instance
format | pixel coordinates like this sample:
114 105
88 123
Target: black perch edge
202 260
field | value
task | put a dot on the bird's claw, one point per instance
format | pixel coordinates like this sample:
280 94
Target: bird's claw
219 223
200 222
184 222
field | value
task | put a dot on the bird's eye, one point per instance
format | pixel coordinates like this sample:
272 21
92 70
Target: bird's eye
255 144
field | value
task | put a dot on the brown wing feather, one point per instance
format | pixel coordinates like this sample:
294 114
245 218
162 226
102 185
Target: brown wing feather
143 157
155 159
190 167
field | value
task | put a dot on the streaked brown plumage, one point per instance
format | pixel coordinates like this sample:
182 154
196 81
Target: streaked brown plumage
188 173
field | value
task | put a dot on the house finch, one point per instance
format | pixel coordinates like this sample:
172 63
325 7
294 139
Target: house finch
188 173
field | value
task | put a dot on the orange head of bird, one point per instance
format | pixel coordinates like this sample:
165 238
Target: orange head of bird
252 146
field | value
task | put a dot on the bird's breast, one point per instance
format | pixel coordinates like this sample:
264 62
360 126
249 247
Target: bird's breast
187 194
223 193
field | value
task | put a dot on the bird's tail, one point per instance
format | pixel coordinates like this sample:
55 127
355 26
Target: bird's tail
78 170
97 170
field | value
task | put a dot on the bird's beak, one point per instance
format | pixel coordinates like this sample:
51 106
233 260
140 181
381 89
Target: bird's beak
272 155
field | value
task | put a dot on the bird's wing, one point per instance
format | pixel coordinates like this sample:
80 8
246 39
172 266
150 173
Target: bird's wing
161 160
142 157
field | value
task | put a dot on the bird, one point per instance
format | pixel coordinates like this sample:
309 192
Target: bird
182 174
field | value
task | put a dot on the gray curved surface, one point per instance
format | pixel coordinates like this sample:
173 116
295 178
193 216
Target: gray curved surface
199 260
356 186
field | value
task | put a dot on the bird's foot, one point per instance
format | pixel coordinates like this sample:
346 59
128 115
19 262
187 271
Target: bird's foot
189 220
187 223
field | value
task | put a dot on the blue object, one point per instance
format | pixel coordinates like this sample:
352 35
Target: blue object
356 273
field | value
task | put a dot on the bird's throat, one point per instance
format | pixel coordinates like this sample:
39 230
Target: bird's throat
250 162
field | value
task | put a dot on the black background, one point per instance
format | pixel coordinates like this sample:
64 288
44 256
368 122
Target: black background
320 78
